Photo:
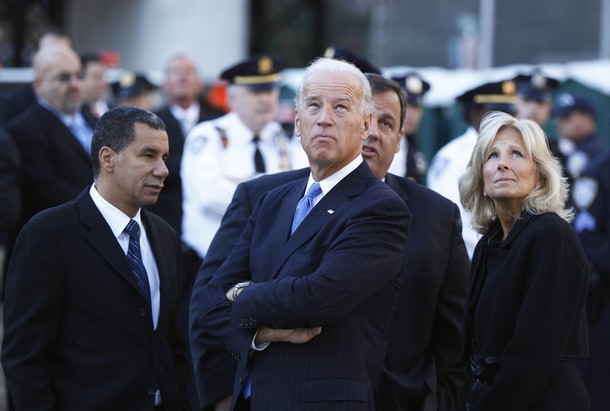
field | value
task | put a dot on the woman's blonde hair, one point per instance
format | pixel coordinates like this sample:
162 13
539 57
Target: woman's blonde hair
548 196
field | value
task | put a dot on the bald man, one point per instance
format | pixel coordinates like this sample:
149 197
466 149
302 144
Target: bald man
53 135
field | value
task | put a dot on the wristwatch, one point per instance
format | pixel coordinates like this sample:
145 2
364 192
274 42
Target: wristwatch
238 287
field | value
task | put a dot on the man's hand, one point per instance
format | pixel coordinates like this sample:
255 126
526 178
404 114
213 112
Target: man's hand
294 336
223 404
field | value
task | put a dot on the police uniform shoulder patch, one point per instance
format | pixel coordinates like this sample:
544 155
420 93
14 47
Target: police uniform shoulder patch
584 192
198 144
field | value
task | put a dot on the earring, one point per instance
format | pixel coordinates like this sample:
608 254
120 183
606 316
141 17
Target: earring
484 193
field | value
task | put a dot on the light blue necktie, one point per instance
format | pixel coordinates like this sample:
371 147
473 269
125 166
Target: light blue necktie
134 255
82 132
304 206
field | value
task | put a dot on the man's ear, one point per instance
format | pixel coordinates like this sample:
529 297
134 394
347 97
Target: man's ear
297 129
398 141
366 127
107 158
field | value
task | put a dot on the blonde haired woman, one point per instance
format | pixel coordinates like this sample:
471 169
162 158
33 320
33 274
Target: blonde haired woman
525 313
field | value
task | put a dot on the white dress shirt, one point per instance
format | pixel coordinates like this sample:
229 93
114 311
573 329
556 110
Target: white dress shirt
117 220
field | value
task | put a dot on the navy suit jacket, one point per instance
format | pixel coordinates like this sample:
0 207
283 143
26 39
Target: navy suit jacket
423 368
340 270
78 329
214 367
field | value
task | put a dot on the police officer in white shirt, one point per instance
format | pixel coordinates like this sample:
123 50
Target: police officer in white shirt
450 162
247 142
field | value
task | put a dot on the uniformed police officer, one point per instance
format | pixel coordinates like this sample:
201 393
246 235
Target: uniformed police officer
133 89
534 102
591 198
450 162
221 153
578 139
410 161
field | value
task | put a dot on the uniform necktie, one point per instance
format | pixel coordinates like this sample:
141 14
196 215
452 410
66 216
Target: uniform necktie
305 205
259 163
134 255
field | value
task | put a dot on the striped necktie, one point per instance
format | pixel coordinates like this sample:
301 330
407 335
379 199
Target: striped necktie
134 255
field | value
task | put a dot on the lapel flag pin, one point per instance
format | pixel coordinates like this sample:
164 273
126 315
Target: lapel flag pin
330 211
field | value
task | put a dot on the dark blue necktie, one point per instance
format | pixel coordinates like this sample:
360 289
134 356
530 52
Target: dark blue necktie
134 255
305 205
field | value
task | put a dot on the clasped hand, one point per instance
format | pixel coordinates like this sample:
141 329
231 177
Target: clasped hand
268 335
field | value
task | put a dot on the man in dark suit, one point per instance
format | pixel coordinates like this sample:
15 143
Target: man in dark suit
90 307
422 370
184 110
309 330
16 101
53 136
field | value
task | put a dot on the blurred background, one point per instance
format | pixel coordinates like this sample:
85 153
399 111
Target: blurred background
454 44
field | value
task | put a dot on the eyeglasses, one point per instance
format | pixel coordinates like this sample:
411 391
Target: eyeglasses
66 77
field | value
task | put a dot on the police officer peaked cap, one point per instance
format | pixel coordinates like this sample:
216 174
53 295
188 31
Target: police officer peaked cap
260 72
341 53
130 84
567 103
414 86
499 95
535 86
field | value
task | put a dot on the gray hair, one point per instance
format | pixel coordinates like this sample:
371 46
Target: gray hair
327 65
550 196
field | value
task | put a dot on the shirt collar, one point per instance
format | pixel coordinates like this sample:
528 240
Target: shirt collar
332 180
66 119
116 219
191 113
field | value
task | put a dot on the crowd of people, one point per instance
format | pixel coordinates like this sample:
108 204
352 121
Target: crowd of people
181 256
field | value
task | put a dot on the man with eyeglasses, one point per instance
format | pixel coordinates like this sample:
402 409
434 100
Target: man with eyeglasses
53 136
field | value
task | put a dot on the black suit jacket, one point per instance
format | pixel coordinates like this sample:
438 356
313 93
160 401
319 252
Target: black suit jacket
169 204
423 368
13 103
78 329
10 178
55 166
340 270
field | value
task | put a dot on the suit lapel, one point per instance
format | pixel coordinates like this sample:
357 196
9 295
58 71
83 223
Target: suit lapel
397 185
103 240
324 213
64 134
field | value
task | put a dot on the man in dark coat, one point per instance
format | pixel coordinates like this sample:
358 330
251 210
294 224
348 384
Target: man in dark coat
90 312
53 136
184 110
321 285
422 370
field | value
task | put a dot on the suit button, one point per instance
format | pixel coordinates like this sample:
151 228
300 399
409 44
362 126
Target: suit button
151 391
142 312
242 380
